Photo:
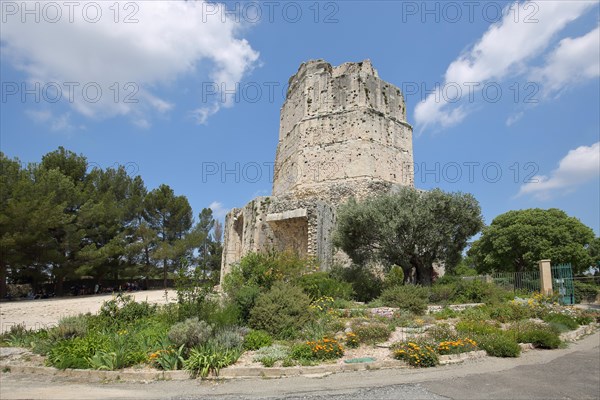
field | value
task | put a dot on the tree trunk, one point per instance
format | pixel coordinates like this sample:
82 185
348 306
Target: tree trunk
423 271
165 273
3 289
424 276
58 288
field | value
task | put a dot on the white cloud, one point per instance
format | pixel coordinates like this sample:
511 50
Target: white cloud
503 50
219 211
579 166
574 60
130 61
55 123
514 118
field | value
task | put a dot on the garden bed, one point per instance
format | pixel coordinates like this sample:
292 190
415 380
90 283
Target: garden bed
282 331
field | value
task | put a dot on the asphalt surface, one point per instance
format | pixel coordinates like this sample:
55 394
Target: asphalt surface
571 373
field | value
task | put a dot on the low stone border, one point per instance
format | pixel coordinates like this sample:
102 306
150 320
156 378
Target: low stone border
91 375
525 347
228 373
459 358
578 333
314 371
454 307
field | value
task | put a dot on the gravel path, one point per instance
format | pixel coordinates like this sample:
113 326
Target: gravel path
36 314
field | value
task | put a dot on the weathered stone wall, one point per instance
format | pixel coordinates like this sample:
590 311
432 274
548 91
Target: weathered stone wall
343 133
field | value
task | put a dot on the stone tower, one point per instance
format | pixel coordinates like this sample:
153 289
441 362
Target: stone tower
343 133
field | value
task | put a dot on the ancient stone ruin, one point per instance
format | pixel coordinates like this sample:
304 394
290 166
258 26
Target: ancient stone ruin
343 133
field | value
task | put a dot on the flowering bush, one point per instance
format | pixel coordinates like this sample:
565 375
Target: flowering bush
167 359
352 340
323 304
538 305
416 355
456 346
326 349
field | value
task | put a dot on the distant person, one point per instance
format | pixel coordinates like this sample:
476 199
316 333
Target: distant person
96 289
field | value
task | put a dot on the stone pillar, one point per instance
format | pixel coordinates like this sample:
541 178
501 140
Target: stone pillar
545 277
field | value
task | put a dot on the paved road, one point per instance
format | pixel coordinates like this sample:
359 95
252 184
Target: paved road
572 373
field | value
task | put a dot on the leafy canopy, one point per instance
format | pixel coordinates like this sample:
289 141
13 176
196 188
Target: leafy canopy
409 228
517 240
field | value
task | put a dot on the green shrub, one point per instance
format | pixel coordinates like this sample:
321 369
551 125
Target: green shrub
371 332
480 313
366 285
403 318
445 313
269 355
222 316
585 292
561 319
124 309
442 294
168 359
316 329
584 319
540 335
76 352
394 277
190 333
442 333
476 291
70 327
282 311
264 269
498 344
254 340
302 353
509 312
244 298
42 345
231 337
409 297
470 328
18 336
320 284
204 360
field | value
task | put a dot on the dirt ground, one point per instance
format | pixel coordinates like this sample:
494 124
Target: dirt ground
36 314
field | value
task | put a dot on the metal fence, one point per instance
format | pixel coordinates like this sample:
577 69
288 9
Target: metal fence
527 282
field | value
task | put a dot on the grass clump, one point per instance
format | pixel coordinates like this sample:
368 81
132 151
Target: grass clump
371 332
540 335
499 344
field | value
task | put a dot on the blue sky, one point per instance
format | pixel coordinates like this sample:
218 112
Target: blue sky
503 97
